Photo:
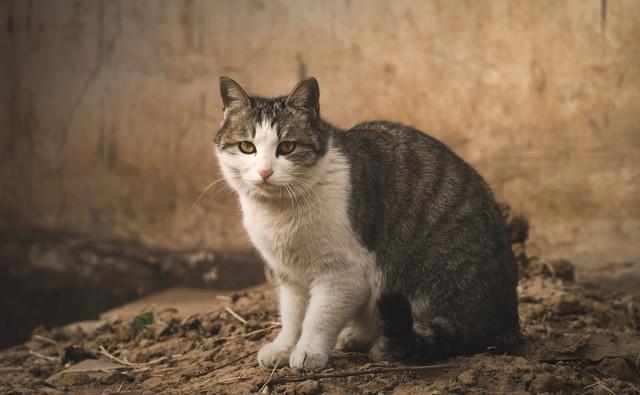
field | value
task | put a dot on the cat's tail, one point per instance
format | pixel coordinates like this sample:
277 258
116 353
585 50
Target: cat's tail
408 341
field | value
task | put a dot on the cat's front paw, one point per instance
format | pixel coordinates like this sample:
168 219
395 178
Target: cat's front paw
308 360
273 354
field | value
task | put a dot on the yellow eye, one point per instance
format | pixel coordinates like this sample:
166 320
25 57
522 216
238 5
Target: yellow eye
246 147
286 148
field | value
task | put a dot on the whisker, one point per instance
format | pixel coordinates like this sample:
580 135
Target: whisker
205 191
302 188
290 198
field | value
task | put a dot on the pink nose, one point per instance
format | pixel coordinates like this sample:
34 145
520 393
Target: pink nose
265 173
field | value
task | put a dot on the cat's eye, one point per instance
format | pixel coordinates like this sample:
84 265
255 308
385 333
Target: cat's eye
285 148
246 147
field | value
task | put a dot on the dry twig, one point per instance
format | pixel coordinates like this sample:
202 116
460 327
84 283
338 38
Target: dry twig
240 358
224 365
235 315
45 339
603 385
104 369
266 383
45 357
248 334
104 352
230 380
550 268
11 369
349 373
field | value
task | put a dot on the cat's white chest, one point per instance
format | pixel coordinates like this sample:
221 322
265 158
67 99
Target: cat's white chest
314 238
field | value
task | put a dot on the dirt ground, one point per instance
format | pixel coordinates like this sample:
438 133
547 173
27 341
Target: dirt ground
576 338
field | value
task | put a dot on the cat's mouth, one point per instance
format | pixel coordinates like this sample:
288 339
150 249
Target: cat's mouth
265 184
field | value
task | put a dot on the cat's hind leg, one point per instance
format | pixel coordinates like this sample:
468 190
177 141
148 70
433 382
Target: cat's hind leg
360 334
404 339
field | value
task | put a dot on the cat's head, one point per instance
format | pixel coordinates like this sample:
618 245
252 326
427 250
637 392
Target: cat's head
268 148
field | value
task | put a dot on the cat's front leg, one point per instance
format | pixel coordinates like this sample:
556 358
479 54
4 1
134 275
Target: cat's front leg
292 305
333 302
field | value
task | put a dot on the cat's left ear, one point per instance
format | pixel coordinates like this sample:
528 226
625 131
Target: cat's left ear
305 96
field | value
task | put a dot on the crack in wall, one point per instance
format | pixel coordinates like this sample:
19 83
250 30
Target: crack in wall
93 75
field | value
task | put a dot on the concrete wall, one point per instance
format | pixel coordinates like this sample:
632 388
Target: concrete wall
107 108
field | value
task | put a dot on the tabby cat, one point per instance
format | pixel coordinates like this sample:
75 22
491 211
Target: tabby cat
380 237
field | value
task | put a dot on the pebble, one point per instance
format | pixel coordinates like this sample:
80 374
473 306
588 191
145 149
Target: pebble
309 387
468 377
547 382
618 368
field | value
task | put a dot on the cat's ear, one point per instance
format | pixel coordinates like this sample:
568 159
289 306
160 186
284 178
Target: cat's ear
233 96
305 96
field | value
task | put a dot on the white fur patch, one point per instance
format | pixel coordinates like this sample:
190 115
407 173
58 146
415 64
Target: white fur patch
309 242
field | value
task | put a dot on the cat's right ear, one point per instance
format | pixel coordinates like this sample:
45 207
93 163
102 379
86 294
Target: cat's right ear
233 96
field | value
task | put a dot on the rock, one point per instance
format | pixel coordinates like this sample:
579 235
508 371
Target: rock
547 382
468 377
618 368
116 377
309 387
196 371
568 305
152 382
600 389
76 354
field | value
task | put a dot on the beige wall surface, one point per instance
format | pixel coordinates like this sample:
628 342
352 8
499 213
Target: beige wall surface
107 108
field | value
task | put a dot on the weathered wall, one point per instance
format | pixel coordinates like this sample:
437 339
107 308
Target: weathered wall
108 107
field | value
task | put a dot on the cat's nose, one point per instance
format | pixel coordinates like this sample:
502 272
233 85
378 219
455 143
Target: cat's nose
265 173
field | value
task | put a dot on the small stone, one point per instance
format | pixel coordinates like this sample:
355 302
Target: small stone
547 382
600 389
569 306
153 382
115 377
75 354
468 377
618 368
197 370
308 387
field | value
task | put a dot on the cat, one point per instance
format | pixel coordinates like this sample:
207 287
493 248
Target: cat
380 238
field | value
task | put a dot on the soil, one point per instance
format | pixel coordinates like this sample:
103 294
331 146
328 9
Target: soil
575 339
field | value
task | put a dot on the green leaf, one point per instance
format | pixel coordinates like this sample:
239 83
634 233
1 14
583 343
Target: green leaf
143 319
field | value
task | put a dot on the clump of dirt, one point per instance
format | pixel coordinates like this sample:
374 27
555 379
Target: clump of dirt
575 339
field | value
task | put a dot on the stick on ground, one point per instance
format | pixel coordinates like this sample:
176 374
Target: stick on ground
45 357
266 383
11 369
248 334
235 315
104 352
